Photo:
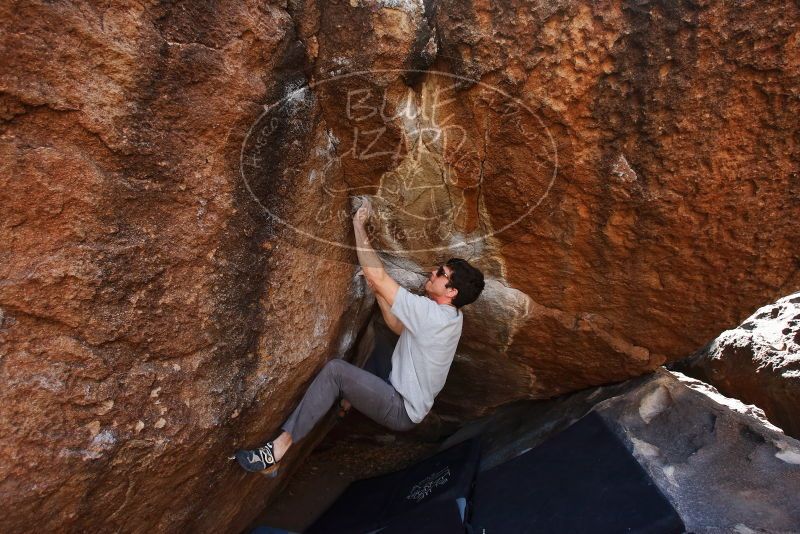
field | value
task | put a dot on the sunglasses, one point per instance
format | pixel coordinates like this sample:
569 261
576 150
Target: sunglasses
441 272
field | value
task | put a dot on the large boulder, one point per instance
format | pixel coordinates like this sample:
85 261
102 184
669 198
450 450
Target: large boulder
653 235
571 151
150 319
758 362
176 262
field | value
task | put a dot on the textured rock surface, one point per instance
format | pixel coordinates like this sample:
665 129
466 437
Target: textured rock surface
153 317
723 466
672 124
152 321
758 362
635 156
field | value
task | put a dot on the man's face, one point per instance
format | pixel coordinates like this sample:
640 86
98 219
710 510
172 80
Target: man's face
435 286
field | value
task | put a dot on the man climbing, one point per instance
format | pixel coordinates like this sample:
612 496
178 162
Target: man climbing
429 328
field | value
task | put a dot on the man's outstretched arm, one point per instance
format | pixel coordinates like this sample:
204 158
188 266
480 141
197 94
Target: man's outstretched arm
371 264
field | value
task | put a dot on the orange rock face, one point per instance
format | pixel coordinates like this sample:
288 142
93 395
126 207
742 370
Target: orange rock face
176 262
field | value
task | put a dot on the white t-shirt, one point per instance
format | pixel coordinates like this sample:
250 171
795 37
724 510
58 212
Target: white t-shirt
425 350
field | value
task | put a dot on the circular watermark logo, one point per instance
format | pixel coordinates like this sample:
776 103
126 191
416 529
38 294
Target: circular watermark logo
446 164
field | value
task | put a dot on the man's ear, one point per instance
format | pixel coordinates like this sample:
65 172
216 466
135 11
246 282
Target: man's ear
452 292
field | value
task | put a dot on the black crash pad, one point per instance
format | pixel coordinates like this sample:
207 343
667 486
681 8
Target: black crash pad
374 503
435 517
583 480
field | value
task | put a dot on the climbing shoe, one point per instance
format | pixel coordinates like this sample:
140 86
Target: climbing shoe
260 460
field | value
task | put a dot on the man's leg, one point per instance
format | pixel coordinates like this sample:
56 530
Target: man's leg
379 362
370 395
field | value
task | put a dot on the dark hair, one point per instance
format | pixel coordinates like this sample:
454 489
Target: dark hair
467 279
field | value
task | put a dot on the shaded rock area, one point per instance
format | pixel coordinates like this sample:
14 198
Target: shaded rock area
720 463
174 199
758 362
354 449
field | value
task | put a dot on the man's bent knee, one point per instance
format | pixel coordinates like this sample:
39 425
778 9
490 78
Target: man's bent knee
335 366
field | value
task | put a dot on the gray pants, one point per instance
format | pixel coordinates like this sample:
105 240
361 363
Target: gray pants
368 394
